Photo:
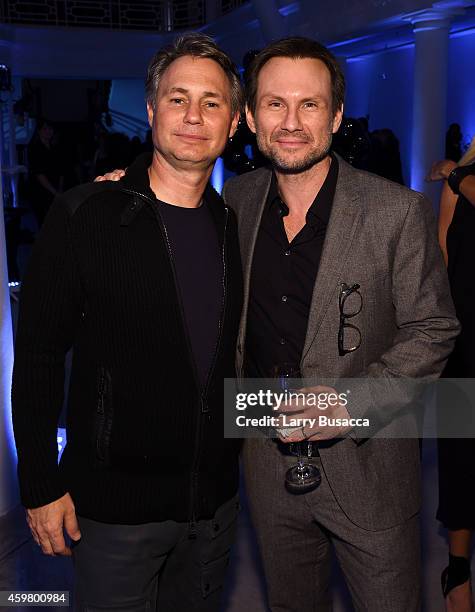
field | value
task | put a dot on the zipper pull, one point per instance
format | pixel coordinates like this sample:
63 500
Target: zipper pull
204 405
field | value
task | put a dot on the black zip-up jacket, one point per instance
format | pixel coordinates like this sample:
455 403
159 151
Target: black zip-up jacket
144 441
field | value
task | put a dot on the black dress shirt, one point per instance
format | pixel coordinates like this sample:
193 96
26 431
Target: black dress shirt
282 281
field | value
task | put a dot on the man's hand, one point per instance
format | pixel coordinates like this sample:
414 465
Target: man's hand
47 523
441 170
115 175
312 430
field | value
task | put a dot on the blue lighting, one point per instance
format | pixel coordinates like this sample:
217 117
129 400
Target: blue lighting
461 85
217 178
6 349
349 41
387 49
8 367
426 28
61 439
290 9
461 33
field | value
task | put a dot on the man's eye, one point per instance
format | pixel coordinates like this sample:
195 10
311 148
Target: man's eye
310 105
212 104
177 100
275 104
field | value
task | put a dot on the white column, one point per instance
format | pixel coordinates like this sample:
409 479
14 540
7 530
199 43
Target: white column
272 23
8 483
431 32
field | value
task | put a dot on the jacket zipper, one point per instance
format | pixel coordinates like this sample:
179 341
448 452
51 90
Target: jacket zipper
192 531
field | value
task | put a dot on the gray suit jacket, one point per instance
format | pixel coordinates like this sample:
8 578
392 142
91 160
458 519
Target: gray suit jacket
382 236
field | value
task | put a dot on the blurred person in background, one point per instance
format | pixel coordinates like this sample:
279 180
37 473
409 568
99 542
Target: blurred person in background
385 159
457 455
453 143
45 169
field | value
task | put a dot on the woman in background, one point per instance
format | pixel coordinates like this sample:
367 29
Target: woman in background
457 455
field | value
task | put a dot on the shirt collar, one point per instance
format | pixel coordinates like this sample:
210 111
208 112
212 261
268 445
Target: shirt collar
136 179
320 209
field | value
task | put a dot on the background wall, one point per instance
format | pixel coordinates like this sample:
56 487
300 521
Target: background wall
127 105
380 86
461 83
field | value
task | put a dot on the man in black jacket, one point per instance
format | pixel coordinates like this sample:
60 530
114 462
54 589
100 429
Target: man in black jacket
142 279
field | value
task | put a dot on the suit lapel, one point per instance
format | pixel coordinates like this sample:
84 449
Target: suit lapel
344 220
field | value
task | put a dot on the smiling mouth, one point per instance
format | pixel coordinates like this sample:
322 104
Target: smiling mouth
192 137
291 143
290 139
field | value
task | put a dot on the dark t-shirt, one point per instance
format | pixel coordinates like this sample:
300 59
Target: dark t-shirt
199 268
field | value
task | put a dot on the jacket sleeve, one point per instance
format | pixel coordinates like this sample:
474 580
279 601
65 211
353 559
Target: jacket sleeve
425 320
50 309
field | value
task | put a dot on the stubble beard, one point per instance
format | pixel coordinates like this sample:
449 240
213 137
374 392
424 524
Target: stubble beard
286 165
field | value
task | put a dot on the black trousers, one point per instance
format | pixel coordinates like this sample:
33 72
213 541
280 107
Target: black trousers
298 534
153 566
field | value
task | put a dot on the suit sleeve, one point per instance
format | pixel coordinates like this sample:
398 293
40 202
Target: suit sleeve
50 308
425 319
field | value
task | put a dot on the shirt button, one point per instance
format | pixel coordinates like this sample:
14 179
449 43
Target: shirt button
282 340
284 298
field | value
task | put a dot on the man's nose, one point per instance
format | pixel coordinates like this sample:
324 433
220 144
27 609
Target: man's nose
193 113
291 120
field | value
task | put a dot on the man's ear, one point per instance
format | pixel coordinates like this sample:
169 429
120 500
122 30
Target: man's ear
234 124
150 114
337 120
250 120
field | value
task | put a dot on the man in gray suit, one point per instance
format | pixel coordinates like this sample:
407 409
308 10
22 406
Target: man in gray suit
315 234
343 279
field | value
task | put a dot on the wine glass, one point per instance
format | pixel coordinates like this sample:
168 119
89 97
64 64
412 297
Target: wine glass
303 476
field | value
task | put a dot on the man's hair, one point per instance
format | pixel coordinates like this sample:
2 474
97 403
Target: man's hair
296 48
197 45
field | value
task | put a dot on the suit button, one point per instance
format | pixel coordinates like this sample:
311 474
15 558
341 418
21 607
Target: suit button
284 298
